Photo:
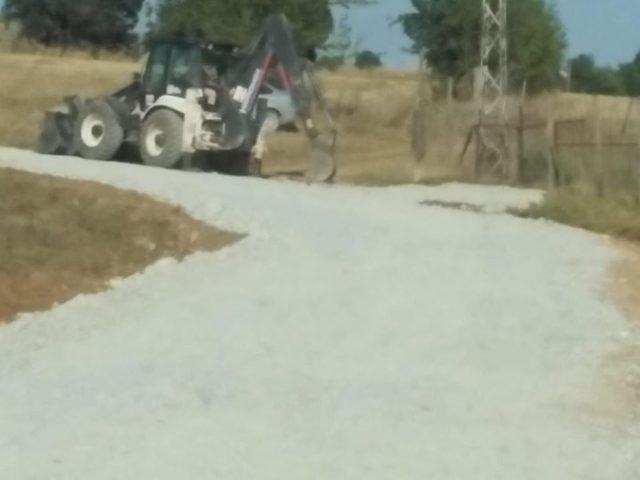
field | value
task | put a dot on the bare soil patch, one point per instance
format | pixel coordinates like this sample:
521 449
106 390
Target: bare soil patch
60 238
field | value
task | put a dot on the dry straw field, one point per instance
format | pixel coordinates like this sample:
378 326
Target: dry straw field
32 84
373 110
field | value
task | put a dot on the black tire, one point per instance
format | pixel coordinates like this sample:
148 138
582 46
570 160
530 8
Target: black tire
98 133
56 136
161 139
242 164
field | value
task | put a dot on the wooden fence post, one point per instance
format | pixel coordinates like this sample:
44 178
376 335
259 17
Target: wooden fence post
519 164
636 175
450 89
598 139
550 153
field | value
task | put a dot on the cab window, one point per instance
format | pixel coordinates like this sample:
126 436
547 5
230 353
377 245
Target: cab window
184 67
155 74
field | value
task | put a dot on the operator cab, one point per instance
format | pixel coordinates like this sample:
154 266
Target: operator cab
176 66
172 68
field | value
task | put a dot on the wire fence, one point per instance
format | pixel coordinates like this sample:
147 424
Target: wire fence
567 140
602 154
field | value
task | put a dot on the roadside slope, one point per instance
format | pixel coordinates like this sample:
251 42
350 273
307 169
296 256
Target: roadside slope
353 333
64 237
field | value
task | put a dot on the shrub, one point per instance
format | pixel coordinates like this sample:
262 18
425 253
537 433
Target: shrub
368 59
330 63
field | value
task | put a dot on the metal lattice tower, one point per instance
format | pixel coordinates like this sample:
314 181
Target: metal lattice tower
494 81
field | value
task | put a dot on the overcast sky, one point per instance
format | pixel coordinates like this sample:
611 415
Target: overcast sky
609 29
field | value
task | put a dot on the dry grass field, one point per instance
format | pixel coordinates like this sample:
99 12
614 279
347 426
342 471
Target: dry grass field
31 84
61 238
373 111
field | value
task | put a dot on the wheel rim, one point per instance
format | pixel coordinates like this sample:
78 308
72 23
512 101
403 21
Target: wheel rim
155 141
92 131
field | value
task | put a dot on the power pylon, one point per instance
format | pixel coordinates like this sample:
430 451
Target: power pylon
493 153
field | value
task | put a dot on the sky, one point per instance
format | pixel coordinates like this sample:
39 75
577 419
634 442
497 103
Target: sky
608 29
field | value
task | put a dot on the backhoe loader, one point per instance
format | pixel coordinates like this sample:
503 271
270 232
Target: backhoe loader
198 97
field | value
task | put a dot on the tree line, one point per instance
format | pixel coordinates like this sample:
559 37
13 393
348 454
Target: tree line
105 23
111 23
447 32
585 76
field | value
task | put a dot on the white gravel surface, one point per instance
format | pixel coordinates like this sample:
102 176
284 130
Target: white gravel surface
354 334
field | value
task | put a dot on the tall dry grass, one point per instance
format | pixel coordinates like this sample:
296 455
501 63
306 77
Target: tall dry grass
373 110
598 187
580 207
8 36
31 84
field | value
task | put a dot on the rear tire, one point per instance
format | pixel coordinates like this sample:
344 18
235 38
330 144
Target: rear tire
161 139
56 136
244 164
98 132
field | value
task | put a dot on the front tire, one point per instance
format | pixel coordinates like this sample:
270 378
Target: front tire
245 164
98 132
161 139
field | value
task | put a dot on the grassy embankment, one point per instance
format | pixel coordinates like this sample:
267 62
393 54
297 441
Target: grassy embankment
578 207
61 238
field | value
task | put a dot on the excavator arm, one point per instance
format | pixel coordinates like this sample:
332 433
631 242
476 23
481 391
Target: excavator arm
274 47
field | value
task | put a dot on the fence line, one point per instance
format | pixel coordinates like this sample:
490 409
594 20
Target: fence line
594 152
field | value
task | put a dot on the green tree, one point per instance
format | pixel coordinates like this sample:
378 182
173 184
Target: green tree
449 32
329 62
629 77
368 59
99 23
238 21
340 47
587 77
